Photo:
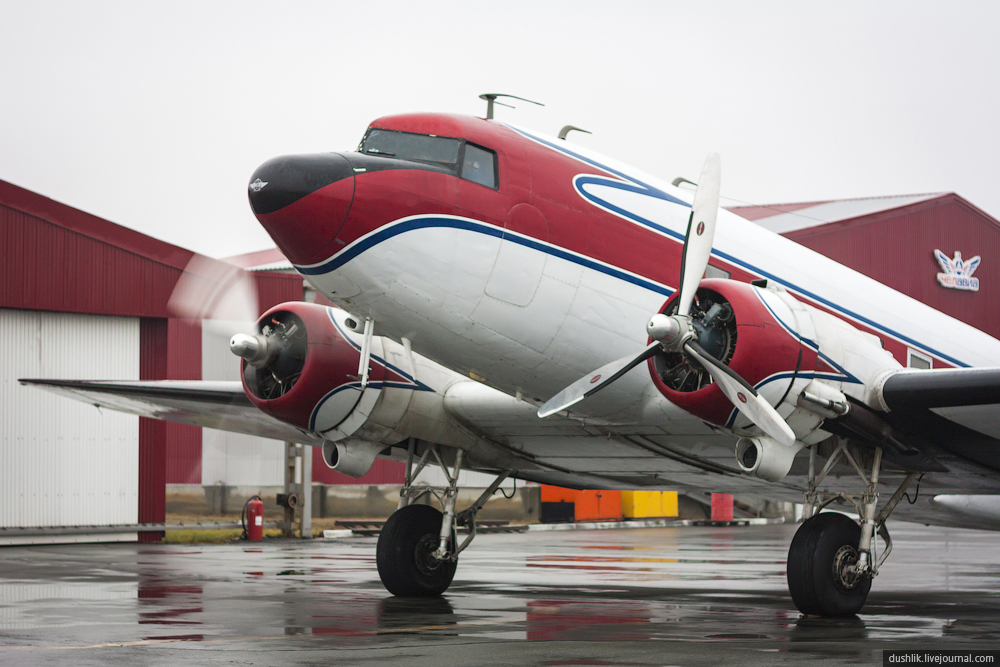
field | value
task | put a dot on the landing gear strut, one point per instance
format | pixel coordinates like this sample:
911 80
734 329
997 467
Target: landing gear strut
417 550
832 558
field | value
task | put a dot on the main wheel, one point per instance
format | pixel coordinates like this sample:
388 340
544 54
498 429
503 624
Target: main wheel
404 554
819 560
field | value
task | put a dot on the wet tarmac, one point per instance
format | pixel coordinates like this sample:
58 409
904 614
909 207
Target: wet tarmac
661 596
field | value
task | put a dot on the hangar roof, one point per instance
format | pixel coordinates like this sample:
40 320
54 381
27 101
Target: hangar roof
271 259
783 218
56 257
896 240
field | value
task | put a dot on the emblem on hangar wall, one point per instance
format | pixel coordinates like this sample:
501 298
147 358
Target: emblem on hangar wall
957 273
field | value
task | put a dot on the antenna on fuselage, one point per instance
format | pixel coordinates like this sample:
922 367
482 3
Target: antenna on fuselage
491 99
571 128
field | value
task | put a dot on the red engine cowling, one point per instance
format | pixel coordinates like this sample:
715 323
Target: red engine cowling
310 378
738 325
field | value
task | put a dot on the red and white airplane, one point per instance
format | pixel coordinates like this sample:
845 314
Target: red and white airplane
483 271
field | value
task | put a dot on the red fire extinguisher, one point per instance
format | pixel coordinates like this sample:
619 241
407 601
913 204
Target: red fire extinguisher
253 519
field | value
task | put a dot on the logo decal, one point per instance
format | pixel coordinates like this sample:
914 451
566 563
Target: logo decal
701 228
739 395
595 379
957 272
258 185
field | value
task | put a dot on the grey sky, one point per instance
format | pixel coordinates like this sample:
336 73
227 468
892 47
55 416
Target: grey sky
155 115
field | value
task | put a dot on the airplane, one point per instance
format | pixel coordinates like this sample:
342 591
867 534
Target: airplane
482 271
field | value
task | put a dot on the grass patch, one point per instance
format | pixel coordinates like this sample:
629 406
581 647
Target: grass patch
211 536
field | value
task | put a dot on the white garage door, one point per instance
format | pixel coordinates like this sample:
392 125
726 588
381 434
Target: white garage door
64 463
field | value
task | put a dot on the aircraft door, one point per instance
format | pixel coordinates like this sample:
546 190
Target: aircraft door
518 268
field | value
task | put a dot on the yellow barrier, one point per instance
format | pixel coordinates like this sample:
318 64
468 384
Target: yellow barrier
649 504
668 503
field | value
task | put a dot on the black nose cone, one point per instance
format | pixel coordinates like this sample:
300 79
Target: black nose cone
287 179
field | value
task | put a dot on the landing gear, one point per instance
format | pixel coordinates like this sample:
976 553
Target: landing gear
417 550
822 567
832 560
405 554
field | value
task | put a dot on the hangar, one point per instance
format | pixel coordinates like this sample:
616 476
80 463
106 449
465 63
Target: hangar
897 241
82 297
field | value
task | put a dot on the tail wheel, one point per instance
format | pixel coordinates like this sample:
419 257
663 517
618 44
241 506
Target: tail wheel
820 561
404 554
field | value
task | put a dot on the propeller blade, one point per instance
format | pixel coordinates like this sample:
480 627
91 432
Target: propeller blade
743 396
700 233
594 382
221 295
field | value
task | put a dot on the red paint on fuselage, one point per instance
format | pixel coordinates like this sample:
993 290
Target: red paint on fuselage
305 230
529 173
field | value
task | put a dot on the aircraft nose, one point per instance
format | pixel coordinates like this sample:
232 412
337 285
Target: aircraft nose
302 202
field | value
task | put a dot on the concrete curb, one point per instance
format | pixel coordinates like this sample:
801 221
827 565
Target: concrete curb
650 523
614 525
337 533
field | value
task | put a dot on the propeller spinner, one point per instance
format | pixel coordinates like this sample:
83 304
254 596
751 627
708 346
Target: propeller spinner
676 332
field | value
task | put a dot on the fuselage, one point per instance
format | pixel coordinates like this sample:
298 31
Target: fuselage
543 265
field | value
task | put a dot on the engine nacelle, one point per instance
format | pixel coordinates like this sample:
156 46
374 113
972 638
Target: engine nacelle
779 345
753 331
304 371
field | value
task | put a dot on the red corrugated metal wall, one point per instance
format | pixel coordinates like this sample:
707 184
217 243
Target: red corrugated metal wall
153 337
382 472
275 288
53 268
896 247
183 442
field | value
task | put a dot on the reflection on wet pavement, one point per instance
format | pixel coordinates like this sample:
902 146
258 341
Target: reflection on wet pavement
709 590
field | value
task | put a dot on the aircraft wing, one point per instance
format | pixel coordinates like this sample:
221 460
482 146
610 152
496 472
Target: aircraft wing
958 408
942 388
220 405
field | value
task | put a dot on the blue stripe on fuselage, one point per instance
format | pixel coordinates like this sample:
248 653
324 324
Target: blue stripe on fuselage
395 229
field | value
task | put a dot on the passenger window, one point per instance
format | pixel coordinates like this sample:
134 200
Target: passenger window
915 359
479 166
716 272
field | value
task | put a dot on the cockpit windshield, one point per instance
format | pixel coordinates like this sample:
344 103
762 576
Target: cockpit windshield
466 160
417 147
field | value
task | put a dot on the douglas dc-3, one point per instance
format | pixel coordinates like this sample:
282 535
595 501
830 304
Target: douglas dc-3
483 271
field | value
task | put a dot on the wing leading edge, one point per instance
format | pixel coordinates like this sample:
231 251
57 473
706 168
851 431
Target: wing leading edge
958 408
219 405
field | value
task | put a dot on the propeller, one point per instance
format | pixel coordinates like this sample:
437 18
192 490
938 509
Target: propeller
676 333
222 297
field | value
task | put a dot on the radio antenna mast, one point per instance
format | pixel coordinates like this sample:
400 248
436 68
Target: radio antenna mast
491 100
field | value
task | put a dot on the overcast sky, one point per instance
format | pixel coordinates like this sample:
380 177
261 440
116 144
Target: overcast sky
154 115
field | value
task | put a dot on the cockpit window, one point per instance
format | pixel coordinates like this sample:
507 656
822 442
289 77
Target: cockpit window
478 166
466 160
417 147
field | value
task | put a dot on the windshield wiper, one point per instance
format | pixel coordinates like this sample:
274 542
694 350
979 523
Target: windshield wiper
376 151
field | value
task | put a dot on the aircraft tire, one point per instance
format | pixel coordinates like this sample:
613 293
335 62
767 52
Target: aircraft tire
403 554
822 544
